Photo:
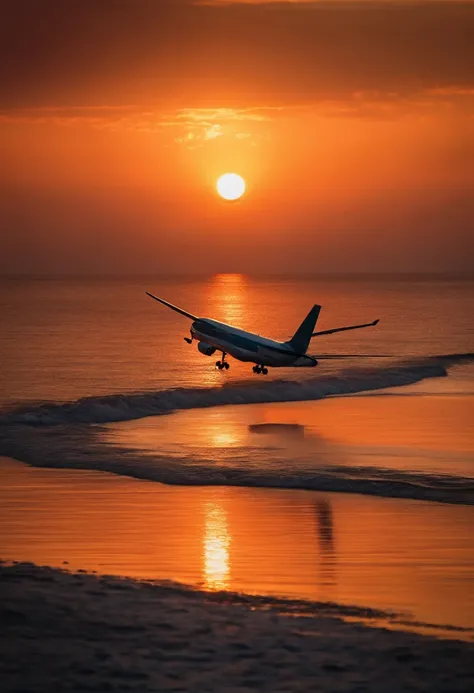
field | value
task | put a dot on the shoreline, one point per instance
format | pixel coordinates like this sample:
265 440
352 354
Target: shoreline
77 631
82 448
406 447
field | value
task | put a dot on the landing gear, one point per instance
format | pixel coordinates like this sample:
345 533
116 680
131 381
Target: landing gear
221 365
189 340
260 369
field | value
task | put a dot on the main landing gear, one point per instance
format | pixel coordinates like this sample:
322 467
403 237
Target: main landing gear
260 369
222 364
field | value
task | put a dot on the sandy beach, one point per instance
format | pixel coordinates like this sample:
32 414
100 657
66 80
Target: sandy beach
78 632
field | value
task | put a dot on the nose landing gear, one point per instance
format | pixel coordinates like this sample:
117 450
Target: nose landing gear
260 369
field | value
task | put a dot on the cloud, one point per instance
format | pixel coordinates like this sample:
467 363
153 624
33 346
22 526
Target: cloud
201 124
192 127
179 54
199 115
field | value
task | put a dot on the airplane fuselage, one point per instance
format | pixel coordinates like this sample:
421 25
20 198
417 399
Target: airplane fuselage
247 346
213 336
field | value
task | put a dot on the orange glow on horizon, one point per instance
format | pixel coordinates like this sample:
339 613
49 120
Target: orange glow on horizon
363 161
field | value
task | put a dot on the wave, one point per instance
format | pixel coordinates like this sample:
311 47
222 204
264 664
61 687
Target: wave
127 406
69 435
84 447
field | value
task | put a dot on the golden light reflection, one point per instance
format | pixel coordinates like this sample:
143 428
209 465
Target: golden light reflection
216 566
223 438
385 553
230 278
228 298
224 431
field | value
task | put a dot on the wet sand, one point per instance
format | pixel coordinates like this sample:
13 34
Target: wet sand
77 632
411 557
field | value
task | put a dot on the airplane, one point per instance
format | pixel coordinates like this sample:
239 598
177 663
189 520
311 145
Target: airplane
212 336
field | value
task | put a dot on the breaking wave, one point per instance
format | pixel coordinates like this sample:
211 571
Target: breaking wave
69 435
124 407
84 447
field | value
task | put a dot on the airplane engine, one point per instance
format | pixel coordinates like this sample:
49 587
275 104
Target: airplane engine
206 349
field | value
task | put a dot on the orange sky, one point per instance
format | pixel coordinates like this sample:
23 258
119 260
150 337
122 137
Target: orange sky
351 123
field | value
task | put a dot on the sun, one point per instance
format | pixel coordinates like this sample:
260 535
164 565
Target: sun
230 186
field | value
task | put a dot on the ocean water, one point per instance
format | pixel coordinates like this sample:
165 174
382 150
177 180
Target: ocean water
62 340
350 482
97 375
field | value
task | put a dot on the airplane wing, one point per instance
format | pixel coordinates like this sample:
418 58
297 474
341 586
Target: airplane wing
170 305
343 329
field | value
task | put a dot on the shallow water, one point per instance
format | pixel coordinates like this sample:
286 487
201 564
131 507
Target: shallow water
428 435
411 557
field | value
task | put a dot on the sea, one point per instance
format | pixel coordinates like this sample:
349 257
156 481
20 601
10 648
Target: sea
124 449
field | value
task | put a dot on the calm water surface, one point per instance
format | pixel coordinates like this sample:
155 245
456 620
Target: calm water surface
62 340
412 557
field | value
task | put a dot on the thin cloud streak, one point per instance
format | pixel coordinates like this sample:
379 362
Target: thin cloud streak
372 105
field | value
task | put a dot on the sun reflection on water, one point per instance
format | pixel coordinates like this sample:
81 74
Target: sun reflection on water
228 298
223 438
223 431
216 544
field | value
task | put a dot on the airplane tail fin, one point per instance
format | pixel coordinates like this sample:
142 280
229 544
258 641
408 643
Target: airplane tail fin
300 340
